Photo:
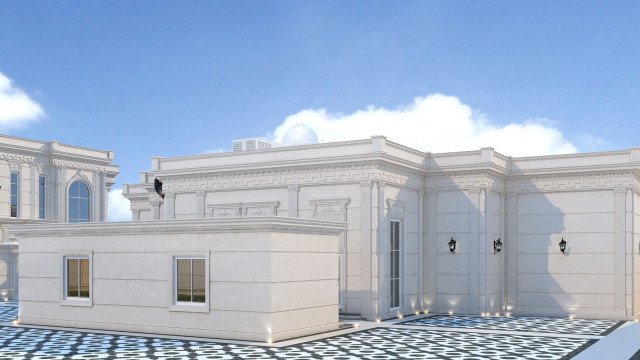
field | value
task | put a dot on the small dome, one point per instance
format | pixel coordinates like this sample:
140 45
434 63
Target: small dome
299 134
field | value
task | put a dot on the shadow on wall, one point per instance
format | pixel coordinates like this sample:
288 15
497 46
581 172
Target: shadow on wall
528 277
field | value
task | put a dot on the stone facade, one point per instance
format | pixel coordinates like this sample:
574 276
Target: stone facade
591 200
51 166
267 279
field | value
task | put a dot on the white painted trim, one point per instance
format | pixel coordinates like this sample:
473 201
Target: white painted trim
261 224
84 180
174 304
75 254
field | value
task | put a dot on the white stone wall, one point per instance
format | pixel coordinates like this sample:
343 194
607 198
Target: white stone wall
8 271
582 280
451 272
269 279
473 196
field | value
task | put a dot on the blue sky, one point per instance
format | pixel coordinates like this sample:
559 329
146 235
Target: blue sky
179 78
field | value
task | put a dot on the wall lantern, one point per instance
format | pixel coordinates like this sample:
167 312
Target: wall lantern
563 245
497 246
452 245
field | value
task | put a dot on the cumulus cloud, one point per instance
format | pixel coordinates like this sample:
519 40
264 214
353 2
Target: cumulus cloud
119 206
435 123
17 109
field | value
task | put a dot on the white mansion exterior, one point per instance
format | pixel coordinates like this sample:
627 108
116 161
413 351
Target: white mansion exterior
404 207
48 182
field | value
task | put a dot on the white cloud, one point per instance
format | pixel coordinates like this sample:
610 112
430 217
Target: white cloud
119 206
17 109
592 142
435 123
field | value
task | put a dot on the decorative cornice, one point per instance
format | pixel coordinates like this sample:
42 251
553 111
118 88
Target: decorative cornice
206 226
582 181
466 181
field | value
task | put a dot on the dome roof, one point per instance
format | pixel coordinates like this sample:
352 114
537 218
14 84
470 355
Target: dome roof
299 134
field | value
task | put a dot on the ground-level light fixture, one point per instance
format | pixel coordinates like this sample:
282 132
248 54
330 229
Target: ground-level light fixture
452 245
497 246
563 245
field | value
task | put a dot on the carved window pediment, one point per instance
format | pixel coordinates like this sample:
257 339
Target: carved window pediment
253 209
330 209
396 208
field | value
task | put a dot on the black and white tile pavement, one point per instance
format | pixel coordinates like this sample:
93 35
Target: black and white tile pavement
376 343
8 311
519 323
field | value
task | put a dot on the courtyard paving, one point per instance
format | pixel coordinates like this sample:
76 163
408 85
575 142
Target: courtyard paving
426 337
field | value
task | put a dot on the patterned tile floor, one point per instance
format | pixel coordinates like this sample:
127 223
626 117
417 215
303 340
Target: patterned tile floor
385 342
8 311
520 323
377 343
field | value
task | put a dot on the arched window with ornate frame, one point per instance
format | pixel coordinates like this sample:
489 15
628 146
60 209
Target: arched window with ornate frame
79 202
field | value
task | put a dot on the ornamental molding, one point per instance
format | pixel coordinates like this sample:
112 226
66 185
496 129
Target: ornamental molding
80 175
296 176
466 181
252 209
271 178
330 209
137 205
581 181
396 208
18 156
78 165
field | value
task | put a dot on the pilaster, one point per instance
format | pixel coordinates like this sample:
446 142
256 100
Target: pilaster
431 249
620 203
293 200
511 244
200 197
169 206
33 186
366 240
474 243
380 257
421 253
24 191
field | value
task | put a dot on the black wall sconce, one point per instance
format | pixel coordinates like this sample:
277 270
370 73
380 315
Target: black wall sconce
497 246
563 245
157 184
452 245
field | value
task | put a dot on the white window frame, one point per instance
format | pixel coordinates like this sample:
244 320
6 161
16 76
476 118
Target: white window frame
174 304
91 199
42 205
400 264
70 255
17 194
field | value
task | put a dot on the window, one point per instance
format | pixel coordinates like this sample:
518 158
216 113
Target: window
77 275
394 264
190 281
42 197
79 202
14 194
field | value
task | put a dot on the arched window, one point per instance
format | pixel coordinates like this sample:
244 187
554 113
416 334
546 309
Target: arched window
79 202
